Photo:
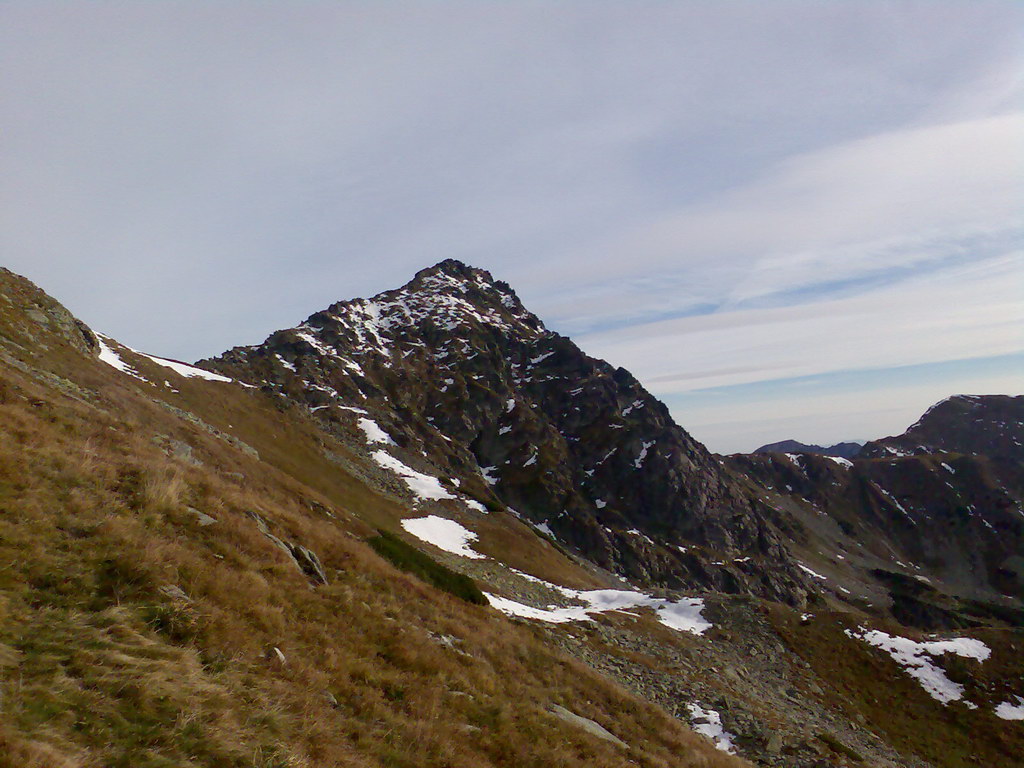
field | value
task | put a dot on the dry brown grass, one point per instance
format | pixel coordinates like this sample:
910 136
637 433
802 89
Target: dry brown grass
100 666
867 685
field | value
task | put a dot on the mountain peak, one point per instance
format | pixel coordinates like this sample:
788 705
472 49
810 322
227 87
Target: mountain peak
448 296
455 268
992 425
455 277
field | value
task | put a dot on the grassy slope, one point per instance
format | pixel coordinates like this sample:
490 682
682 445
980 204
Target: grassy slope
869 687
104 663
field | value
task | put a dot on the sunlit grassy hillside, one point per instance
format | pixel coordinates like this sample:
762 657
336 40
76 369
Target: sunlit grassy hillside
146 619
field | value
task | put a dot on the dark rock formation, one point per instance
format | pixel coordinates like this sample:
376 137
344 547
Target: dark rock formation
469 385
988 425
453 367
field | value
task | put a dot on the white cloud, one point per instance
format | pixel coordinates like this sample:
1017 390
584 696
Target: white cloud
975 310
897 200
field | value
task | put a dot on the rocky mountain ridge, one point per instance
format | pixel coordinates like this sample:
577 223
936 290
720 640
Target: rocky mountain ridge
985 425
471 386
459 371
845 450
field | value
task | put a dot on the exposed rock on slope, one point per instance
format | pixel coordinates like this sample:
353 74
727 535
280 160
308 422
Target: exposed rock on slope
930 523
989 425
456 369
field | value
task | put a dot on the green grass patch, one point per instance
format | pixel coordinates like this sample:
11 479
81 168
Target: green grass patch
411 560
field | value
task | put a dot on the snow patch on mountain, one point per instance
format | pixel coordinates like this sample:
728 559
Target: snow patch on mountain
683 615
183 369
1007 710
424 487
644 447
708 722
810 572
913 657
444 534
374 434
840 461
111 358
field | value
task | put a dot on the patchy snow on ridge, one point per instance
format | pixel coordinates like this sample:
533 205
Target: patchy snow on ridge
111 358
475 505
351 408
709 723
840 461
896 502
303 332
424 487
444 534
1010 711
183 369
683 615
644 447
641 534
545 529
912 656
807 570
374 434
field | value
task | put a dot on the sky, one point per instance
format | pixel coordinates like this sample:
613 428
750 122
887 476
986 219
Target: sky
789 219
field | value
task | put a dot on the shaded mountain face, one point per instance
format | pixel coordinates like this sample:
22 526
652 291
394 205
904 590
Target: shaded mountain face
935 516
472 387
988 425
476 388
843 450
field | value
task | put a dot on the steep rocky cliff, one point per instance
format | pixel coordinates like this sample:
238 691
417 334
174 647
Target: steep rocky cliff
934 517
468 380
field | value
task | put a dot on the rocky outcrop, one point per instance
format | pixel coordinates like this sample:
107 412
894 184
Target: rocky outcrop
981 425
938 534
453 367
462 379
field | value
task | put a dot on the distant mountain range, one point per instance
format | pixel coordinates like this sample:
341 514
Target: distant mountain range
847 450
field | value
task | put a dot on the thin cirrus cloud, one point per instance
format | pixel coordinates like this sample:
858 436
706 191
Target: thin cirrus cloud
964 312
896 251
883 205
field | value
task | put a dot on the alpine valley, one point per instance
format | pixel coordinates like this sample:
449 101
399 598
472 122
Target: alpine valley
421 529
